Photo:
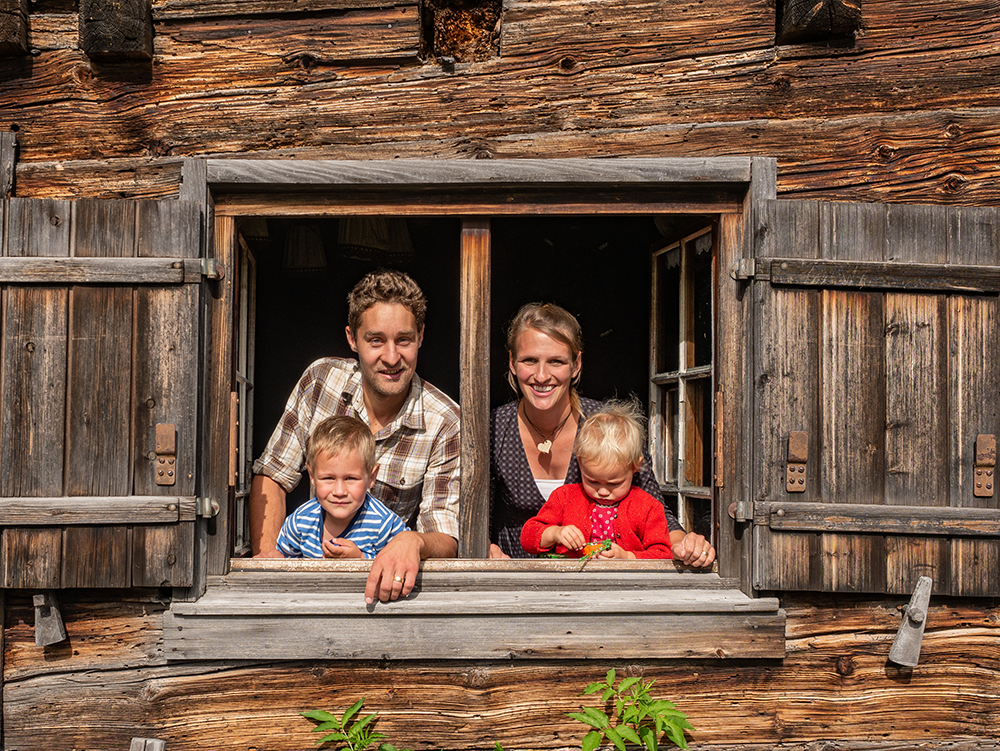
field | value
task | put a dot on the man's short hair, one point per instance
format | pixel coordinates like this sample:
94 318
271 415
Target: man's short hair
386 286
612 437
341 434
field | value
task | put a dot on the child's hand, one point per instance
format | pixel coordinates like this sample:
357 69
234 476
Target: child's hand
570 537
340 547
617 552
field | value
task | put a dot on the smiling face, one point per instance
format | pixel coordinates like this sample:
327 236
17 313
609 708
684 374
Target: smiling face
341 481
605 484
544 368
387 341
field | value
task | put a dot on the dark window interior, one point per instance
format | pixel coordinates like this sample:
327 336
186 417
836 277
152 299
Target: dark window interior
596 267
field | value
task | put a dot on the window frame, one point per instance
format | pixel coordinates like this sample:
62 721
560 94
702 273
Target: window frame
721 188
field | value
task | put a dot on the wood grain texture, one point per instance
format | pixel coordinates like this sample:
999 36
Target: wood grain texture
114 30
8 162
833 687
13 31
79 510
818 20
474 354
101 270
180 9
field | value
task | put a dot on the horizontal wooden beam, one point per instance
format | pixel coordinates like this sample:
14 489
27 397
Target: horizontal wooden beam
917 277
184 9
574 620
791 516
56 270
491 173
96 510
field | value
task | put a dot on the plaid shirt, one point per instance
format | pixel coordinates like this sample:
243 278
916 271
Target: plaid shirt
418 452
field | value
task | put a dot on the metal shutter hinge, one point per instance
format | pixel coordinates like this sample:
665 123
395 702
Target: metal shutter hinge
206 507
212 268
986 460
741 511
751 268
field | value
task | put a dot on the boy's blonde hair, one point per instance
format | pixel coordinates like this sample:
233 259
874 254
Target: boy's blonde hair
612 437
338 435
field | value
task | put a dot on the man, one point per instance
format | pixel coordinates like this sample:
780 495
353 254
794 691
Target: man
416 429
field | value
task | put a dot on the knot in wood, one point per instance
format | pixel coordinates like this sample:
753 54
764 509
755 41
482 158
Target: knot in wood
567 63
845 665
885 152
782 84
954 182
954 130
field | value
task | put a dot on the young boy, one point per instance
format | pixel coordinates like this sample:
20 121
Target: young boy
344 520
604 506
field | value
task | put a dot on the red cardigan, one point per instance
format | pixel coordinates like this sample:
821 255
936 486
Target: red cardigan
640 526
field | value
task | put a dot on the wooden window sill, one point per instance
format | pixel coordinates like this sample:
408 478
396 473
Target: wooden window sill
465 609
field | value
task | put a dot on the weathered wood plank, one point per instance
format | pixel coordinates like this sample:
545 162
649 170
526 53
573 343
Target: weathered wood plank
100 270
357 37
8 163
13 30
878 519
832 688
32 558
482 637
100 355
973 377
166 388
79 510
95 557
786 369
917 441
817 20
115 30
587 32
164 10
268 174
475 387
914 277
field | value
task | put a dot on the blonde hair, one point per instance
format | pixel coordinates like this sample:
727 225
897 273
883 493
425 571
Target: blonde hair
555 322
386 286
338 435
612 437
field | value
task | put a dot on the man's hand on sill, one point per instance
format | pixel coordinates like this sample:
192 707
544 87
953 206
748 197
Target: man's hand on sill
394 571
272 553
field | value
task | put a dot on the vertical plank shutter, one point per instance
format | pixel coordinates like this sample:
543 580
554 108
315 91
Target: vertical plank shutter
876 334
99 344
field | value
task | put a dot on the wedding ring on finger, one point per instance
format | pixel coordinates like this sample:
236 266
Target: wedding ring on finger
704 554
398 579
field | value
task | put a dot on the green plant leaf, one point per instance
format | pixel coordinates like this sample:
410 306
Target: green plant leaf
497 746
324 726
593 687
332 737
648 736
593 717
591 741
319 715
614 736
610 678
677 736
351 711
628 734
627 683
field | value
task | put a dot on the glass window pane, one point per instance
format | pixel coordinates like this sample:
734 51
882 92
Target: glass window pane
701 281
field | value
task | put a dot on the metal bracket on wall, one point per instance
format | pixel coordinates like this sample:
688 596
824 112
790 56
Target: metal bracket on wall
207 508
49 628
906 646
986 461
795 466
166 454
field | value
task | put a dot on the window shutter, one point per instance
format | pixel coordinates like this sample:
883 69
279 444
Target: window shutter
99 345
875 359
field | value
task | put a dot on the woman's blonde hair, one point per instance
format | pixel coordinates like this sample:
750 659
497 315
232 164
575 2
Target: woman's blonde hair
555 322
612 437
339 435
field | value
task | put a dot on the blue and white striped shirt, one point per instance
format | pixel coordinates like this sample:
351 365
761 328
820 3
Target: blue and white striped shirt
372 527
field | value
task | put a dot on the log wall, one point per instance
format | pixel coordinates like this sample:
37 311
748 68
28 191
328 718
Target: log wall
834 690
907 110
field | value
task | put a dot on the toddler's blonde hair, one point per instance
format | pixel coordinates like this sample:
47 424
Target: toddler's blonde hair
612 437
338 435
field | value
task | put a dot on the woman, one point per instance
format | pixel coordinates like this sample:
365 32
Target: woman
531 440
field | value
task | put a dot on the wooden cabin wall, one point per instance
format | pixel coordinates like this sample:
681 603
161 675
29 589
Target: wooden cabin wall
111 682
907 110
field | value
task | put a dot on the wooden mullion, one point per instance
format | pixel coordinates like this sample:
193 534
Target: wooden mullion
474 388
